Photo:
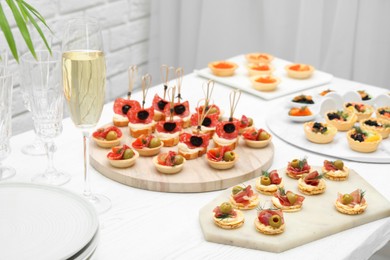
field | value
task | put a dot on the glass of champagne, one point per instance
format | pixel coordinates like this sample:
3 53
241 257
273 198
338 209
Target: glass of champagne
84 81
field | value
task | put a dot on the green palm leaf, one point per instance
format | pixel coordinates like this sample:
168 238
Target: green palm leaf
4 25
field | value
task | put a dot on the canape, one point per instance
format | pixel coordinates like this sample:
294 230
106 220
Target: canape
257 69
122 156
361 110
256 138
147 145
221 158
192 146
223 68
297 167
265 82
299 71
258 57
244 198
169 131
352 203
207 126
270 221
320 133
383 112
335 170
325 92
159 106
121 108
312 183
342 120
244 123
379 125
363 141
226 217
287 201
364 95
107 137
303 100
269 182
169 163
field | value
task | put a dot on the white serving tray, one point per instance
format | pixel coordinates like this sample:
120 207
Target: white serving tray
287 85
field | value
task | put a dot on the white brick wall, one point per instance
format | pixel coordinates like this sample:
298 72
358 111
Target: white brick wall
125 29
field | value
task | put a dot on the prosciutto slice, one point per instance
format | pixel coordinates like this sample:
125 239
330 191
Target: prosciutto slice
265 215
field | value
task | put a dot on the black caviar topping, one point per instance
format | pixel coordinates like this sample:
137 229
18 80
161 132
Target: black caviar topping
206 122
318 127
143 114
332 116
125 109
372 123
169 126
358 137
179 109
229 128
161 104
196 140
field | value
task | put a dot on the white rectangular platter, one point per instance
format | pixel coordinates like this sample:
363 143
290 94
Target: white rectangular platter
317 219
287 85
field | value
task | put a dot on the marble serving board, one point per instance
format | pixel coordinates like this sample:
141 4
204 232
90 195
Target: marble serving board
287 85
317 219
196 176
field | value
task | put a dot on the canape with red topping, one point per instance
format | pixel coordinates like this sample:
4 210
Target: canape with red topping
221 158
159 103
257 69
192 146
223 68
122 156
244 123
169 163
361 110
297 167
383 112
256 138
269 182
147 145
299 71
226 217
270 221
312 183
107 137
287 201
258 57
352 203
244 198
335 170
265 82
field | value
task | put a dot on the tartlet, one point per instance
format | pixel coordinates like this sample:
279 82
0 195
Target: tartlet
169 163
270 221
221 158
320 133
363 141
226 217
352 203
257 69
244 198
269 182
379 125
299 71
361 110
258 57
296 168
244 124
223 68
256 138
342 120
122 156
147 145
335 170
287 201
107 137
265 82
312 184
383 112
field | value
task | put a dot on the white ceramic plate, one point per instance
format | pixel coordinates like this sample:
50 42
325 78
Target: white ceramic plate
287 85
43 222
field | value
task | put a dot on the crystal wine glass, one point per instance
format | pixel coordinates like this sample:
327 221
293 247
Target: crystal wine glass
5 121
84 82
41 79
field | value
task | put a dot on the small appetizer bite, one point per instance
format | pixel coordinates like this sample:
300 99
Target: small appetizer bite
258 57
192 146
257 69
270 221
226 217
363 141
379 125
226 132
364 95
147 145
122 156
222 68
256 138
361 110
244 123
141 120
107 137
300 111
320 133
265 82
244 198
269 182
287 201
303 100
299 71
312 183
325 92
335 170
383 112
342 120
221 158
352 203
159 103
296 168
169 163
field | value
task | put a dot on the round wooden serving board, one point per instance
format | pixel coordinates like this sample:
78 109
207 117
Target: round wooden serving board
196 176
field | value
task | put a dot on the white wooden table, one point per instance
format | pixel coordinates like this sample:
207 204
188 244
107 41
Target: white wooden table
153 225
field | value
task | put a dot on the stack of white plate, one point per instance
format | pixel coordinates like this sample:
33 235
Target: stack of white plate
45 222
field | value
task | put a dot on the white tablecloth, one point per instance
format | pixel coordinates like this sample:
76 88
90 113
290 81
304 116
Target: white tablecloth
154 225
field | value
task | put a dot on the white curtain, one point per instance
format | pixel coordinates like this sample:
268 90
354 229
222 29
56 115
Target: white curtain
348 38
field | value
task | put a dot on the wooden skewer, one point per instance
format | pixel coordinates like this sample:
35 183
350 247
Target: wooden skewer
208 92
133 72
172 103
146 82
179 75
165 71
234 98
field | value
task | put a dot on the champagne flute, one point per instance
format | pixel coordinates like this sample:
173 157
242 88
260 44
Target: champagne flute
84 81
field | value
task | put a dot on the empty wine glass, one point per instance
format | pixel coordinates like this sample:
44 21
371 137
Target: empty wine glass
41 79
6 85
84 81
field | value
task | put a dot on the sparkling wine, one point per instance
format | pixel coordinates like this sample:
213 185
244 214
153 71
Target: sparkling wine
84 79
